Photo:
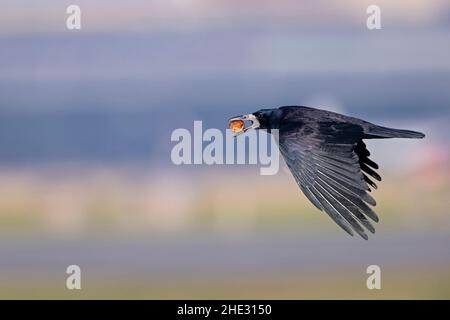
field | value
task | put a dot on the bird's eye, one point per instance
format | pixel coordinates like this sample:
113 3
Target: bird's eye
236 125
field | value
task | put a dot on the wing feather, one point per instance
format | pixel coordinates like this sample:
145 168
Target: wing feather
334 177
331 211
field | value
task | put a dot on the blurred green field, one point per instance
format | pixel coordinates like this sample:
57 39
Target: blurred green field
76 201
152 235
400 284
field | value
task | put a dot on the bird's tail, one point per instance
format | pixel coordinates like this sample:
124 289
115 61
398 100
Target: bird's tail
384 132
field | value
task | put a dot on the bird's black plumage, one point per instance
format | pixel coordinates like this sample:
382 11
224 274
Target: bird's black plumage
326 155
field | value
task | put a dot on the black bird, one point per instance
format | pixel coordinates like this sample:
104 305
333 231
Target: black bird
326 155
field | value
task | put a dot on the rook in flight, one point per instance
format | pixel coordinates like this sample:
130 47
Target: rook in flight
326 155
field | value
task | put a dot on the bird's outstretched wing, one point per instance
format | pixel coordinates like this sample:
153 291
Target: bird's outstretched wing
333 171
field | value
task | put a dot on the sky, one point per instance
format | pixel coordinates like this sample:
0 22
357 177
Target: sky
169 63
182 15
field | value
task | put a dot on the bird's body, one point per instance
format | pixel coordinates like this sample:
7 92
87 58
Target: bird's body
326 155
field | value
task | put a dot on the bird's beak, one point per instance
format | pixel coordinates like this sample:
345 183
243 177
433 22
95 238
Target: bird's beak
238 126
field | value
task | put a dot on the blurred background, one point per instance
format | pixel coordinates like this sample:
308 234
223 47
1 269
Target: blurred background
85 171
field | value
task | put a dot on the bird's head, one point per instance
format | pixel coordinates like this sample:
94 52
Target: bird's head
258 120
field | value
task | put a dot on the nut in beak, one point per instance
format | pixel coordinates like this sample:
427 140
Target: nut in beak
237 124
